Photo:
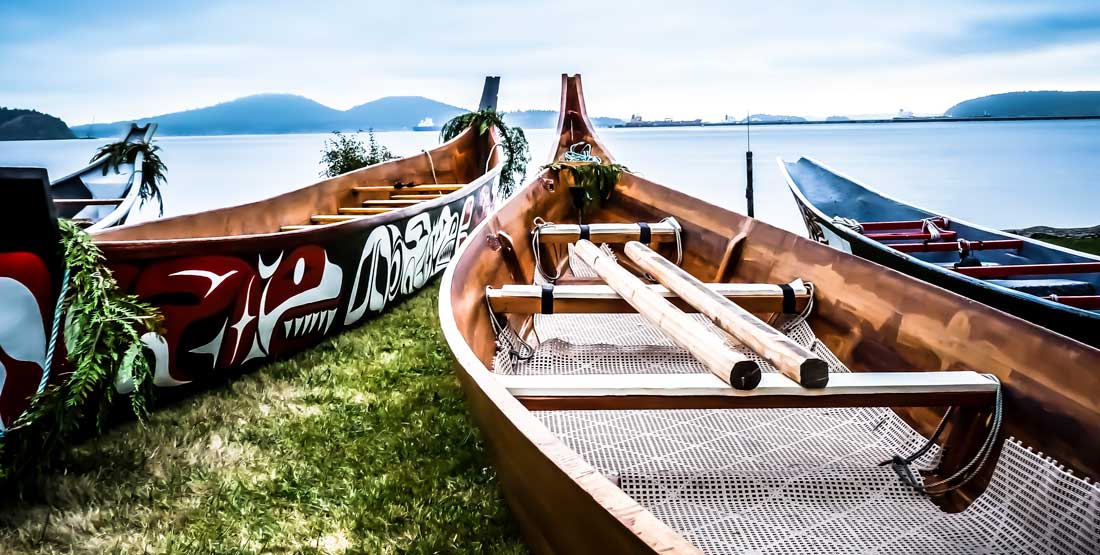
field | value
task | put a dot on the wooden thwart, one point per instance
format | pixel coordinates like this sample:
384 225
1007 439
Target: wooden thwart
705 391
793 360
442 187
731 366
950 246
602 299
1004 271
660 232
367 211
903 224
88 201
332 218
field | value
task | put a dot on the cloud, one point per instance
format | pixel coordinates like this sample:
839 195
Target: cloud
1018 32
695 58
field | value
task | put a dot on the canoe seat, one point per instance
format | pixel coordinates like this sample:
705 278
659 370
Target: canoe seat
1047 287
564 299
88 201
665 231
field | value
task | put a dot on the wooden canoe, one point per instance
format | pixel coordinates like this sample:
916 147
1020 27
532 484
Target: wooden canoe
604 456
244 285
1055 287
100 196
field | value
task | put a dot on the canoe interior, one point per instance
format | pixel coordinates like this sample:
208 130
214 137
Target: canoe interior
459 161
836 195
870 317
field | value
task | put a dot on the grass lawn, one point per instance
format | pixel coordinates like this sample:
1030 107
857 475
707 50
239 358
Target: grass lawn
361 445
1083 244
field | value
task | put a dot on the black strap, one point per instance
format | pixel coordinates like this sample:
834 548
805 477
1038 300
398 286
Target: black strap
585 232
547 298
644 233
788 298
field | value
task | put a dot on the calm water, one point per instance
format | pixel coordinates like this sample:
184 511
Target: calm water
1000 174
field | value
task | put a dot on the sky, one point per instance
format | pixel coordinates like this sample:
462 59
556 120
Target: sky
110 60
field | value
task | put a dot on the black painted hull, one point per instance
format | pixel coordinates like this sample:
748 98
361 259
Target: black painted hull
1080 324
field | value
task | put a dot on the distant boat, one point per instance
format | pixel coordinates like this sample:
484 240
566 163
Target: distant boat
426 124
101 199
1052 286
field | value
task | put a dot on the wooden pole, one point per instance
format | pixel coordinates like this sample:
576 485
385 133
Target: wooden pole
729 365
791 359
748 165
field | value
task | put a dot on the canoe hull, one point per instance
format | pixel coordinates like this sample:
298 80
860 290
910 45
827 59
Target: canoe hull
244 302
1082 325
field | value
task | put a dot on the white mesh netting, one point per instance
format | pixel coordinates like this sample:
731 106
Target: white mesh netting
790 480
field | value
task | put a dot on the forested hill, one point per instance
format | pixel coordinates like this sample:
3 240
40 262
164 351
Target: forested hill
25 125
1032 103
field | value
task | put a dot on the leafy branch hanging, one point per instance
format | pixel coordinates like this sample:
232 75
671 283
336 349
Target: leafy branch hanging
152 167
105 354
592 180
513 141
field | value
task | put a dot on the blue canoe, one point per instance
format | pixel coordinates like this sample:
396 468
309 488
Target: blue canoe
1052 286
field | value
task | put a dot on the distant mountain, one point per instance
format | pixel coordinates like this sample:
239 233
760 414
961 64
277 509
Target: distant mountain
287 113
548 119
29 125
767 118
398 112
838 118
1032 103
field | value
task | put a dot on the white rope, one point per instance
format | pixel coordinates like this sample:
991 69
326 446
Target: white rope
585 154
490 158
535 250
849 223
432 164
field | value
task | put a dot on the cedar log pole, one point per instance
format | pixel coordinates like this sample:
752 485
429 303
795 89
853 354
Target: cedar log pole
729 365
791 359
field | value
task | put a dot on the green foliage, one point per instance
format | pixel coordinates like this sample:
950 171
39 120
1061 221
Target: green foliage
360 445
344 153
593 182
514 142
152 167
103 328
1083 244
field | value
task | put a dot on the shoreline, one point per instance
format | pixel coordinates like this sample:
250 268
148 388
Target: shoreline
649 124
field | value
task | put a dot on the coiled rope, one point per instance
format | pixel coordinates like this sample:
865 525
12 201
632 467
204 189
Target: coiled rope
537 252
585 154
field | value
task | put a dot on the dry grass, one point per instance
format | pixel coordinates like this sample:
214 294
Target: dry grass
361 445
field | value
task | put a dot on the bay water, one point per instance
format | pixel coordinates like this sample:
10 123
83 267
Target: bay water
998 174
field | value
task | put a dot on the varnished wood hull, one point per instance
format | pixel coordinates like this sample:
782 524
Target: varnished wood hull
872 318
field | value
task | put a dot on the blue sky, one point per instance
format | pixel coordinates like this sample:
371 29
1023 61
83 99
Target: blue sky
110 60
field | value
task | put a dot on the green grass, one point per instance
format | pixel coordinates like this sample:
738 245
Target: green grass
360 445
1083 244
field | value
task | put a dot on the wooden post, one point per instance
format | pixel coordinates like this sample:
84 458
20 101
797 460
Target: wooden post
791 359
748 186
489 93
729 365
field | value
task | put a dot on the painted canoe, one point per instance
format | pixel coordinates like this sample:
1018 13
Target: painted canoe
248 284
101 196
1055 287
610 433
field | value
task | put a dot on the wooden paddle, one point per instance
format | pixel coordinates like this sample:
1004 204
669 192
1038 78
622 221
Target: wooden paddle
729 365
791 359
